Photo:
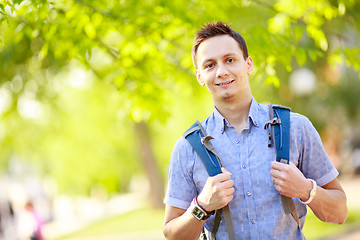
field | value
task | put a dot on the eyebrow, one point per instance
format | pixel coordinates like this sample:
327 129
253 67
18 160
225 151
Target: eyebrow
212 59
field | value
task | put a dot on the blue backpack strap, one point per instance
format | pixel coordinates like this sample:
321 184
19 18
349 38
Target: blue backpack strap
279 135
281 131
200 141
197 137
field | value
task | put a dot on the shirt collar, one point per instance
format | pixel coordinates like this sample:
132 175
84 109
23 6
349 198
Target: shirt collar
221 122
253 113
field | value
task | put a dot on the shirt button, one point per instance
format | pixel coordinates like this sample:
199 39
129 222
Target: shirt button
253 221
249 194
244 166
237 142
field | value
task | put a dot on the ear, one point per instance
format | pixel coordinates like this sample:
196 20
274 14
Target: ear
250 65
198 77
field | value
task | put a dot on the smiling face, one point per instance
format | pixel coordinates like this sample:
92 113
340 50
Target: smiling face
222 69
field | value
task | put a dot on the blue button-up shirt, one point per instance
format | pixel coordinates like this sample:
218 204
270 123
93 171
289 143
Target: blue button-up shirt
256 208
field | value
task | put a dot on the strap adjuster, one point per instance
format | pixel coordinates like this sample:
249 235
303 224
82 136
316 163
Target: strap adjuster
273 121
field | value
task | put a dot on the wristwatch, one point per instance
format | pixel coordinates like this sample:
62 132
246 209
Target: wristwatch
312 192
198 212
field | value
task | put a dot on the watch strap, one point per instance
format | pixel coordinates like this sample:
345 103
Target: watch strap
198 212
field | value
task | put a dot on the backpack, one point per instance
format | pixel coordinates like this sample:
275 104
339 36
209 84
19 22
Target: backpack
278 128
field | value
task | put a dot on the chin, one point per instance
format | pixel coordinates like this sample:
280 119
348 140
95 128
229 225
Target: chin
227 97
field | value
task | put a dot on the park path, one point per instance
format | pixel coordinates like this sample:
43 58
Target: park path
352 235
147 235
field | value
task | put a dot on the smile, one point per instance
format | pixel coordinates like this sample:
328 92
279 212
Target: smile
225 83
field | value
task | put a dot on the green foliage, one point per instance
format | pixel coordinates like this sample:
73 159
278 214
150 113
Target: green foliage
79 138
138 55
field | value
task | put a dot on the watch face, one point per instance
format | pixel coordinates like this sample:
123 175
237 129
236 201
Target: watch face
198 213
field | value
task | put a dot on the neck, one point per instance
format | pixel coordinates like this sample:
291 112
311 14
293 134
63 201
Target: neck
236 112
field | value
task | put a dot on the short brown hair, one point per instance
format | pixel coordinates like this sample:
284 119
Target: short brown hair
214 29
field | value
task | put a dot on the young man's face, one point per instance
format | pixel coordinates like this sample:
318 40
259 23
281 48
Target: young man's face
222 69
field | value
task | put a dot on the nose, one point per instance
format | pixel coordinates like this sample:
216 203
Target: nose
222 71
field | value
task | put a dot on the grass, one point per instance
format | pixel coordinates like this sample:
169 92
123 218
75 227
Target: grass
315 229
140 220
144 220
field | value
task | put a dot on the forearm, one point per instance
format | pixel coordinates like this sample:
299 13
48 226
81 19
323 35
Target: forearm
217 193
329 205
185 227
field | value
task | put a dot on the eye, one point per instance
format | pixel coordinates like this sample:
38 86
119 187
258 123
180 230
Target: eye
230 60
209 66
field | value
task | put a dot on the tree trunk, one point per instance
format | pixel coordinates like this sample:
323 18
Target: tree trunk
156 193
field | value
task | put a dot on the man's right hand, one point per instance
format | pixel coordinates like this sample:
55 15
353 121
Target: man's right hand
217 192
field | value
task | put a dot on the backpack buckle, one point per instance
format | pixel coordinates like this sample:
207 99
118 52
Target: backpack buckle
271 122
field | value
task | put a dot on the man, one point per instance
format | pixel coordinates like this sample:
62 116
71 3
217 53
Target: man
251 182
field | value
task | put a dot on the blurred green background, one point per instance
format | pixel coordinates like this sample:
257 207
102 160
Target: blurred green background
93 95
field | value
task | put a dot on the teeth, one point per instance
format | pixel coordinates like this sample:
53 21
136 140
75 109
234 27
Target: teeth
224 83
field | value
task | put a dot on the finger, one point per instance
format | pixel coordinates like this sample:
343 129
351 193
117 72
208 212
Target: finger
222 177
275 173
278 188
226 184
226 171
277 165
229 198
276 181
226 192
226 200
229 191
291 164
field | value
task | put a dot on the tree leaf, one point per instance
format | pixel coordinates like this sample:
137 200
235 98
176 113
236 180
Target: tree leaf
90 31
300 55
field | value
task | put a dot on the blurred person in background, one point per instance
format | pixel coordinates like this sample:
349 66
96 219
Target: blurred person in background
29 223
7 221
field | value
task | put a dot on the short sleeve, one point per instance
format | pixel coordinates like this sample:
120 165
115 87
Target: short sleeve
181 188
314 161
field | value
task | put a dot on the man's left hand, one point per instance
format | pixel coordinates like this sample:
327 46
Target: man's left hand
289 180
